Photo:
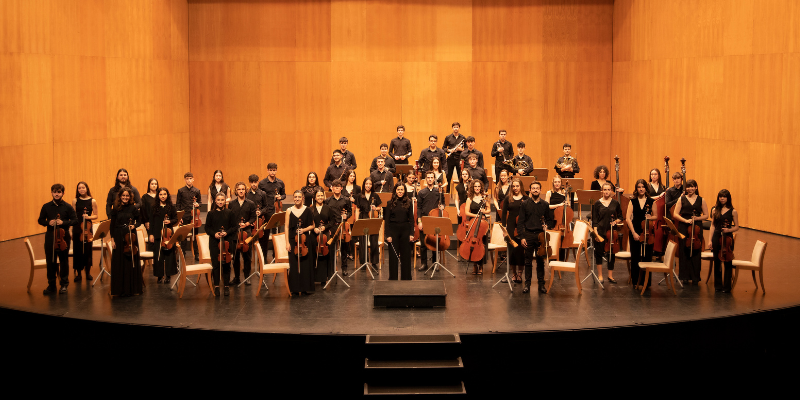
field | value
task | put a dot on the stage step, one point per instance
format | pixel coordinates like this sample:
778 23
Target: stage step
419 293
419 365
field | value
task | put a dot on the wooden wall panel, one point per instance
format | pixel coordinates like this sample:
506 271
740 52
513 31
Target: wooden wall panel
419 93
129 29
453 100
489 31
524 31
560 97
384 41
348 90
9 27
239 22
241 95
525 98
77 27
179 36
313 30
162 29
490 100
180 96
205 31
593 103
11 99
577 30
313 96
419 30
349 30
130 97
278 96
79 98
383 99
37 99
790 99
772 26
35 26
737 27
453 34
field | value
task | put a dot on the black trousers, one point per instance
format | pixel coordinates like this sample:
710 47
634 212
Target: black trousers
60 267
452 161
400 246
246 258
345 250
81 256
213 246
423 252
532 239
637 257
374 250
600 251
719 281
688 265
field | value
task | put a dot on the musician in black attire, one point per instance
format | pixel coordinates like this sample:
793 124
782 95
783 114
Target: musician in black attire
259 199
724 218
367 201
387 160
472 150
126 267
533 212
162 215
325 222
502 151
429 153
382 178
221 225
453 146
567 166
86 210
691 207
428 199
342 209
462 192
149 200
673 194
244 212
273 187
400 147
336 171
348 158
311 188
399 219
521 158
188 198
123 180
57 213
604 211
476 171
640 209
655 189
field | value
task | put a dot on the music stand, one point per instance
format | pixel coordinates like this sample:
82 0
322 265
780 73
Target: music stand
509 247
588 197
385 198
180 215
539 174
336 255
680 236
275 221
99 234
403 169
366 226
179 235
437 226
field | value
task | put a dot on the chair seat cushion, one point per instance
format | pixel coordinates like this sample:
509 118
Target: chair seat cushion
707 255
39 263
198 268
741 264
562 265
273 268
497 246
652 266
146 254
623 254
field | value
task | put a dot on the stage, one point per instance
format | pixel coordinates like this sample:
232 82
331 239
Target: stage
473 306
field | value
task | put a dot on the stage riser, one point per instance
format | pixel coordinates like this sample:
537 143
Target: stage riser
419 293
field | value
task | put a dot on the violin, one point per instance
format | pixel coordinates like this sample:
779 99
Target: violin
611 244
564 215
86 227
322 243
726 244
224 249
242 244
278 204
444 240
544 249
260 221
131 241
648 227
196 222
166 235
300 246
694 240
59 244
347 234
472 249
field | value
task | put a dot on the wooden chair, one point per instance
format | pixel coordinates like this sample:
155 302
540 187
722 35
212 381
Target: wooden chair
665 267
580 233
196 269
144 255
496 243
274 268
756 263
202 248
35 264
625 256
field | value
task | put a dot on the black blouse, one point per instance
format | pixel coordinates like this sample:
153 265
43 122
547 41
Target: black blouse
308 193
399 214
325 216
157 218
655 192
219 219
601 215
639 214
120 219
213 190
364 205
148 202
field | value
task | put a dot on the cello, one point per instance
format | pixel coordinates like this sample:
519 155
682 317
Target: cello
444 240
661 233
472 249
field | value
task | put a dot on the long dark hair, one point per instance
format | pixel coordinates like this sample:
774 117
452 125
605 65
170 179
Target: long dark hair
315 183
691 183
118 200
636 187
158 186
117 183
214 179
168 204
364 186
471 192
405 201
78 194
659 176
718 206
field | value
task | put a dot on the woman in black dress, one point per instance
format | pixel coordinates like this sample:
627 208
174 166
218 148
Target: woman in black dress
640 209
724 218
605 212
149 201
299 221
500 192
690 207
164 215
462 189
351 190
325 223
655 189
86 209
556 197
472 210
511 206
398 220
221 226
126 270
311 188
366 202
218 185
601 178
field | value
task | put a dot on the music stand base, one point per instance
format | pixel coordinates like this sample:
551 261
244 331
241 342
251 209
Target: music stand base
592 266
506 277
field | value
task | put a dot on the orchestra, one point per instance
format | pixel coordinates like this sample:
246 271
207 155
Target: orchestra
323 240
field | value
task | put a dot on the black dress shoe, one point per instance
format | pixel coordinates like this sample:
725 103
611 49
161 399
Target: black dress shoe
227 291
166 280
62 290
527 288
49 290
542 289
88 277
422 267
160 279
612 280
216 291
78 277
235 281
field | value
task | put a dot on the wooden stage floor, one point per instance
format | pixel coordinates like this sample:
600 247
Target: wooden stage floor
473 306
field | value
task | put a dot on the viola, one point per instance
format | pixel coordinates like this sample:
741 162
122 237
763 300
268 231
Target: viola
544 249
444 240
59 244
694 239
726 244
225 255
86 227
322 243
131 241
260 221
242 244
612 245
472 249
648 227
301 246
166 235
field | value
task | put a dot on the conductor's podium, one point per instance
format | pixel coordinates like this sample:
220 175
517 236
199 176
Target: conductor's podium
420 293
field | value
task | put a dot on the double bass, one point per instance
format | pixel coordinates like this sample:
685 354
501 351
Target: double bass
662 231
444 240
564 216
623 231
472 248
